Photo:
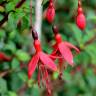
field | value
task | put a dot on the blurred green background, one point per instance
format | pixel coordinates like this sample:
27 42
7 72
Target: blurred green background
16 42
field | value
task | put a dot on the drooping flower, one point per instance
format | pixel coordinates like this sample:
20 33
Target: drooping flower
42 61
50 13
80 19
4 57
63 48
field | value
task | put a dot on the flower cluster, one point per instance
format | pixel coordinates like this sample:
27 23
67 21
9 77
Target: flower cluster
45 62
62 49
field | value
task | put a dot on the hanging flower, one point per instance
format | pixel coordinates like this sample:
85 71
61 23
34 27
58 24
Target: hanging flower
43 61
80 20
50 13
63 49
4 57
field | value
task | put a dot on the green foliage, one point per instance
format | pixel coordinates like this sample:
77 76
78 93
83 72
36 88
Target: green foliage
16 42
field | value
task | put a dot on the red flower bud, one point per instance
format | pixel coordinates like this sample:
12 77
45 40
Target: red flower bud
81 21
50 14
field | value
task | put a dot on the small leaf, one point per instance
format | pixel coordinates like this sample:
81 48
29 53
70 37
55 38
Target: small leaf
10 93
23 76
10 6
3 86
23 56
2 9
15 64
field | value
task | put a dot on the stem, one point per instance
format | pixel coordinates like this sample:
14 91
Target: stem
4 19
32 30
79 3
38 17
18 5
31 14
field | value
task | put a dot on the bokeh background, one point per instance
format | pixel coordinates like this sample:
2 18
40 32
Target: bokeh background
16 42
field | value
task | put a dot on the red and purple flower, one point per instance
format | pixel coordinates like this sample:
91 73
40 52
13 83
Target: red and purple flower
63 49
42 61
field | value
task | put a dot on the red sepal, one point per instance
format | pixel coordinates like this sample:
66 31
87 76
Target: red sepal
32 65
71 46
66 53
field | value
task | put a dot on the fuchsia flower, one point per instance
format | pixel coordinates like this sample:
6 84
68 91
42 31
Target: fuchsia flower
43 61
63 49
3 57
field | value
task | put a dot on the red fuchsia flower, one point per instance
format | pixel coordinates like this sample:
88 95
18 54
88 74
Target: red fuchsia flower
80 20
43 61
50 13
4 57
63 49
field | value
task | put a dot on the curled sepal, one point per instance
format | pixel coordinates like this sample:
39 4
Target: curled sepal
71 46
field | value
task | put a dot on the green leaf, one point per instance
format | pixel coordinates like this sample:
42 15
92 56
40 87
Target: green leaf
1 17
23 56
77 33
10 93
10 6
2 9
2 33
3 86
12 21
23 76
10 46
15 64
